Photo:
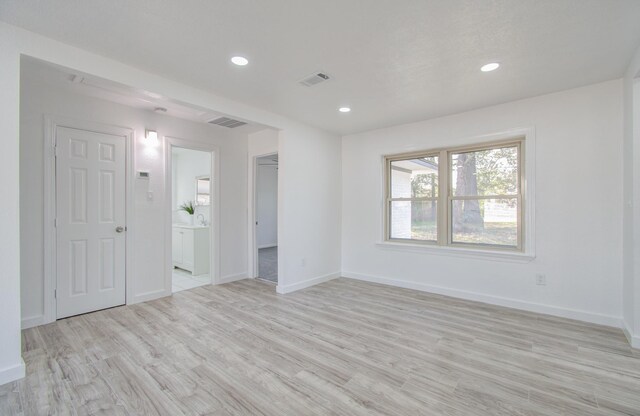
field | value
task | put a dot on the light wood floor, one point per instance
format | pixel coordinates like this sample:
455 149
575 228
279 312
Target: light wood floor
344 347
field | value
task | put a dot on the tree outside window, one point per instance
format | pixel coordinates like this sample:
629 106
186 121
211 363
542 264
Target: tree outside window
482 199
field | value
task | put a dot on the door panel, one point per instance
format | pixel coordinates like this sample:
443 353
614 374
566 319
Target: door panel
78 267
107 198
90 205
267 205
187 248
107 263
78 196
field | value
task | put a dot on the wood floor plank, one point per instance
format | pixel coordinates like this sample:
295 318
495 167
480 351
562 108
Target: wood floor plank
344 347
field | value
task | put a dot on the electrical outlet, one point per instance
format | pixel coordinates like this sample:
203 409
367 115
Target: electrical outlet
541 279
303 262
149 196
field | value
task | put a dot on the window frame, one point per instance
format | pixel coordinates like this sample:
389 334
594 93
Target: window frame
445 198
390 199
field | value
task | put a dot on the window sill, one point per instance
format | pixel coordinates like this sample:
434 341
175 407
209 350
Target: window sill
494 255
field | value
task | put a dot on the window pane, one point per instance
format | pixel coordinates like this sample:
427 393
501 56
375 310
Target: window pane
485 172
415 178
415 220
485 221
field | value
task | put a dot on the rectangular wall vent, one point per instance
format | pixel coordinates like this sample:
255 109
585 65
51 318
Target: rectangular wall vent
314 79
227 122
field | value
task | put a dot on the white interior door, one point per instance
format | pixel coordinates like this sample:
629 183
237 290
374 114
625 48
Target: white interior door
90 221
267 205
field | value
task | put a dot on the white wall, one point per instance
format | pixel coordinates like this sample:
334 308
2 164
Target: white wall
578 207
40 98
631 216
267 204
15 42
11 364
263 142
309 200
309 218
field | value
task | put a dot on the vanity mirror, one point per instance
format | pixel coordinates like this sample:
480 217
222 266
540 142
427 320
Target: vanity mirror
203 190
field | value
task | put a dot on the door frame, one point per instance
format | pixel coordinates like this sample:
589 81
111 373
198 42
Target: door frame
253 213
51 125
214 208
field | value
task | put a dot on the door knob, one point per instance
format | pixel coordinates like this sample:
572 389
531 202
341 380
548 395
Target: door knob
119 229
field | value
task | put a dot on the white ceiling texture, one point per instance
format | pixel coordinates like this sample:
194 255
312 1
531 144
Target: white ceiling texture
391 61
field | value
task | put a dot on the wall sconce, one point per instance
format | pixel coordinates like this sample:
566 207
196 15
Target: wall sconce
151 137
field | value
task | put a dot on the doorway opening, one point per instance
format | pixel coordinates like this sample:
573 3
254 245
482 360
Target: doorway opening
191 217
266 217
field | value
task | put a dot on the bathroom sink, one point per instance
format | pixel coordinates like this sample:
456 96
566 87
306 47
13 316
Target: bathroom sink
189 226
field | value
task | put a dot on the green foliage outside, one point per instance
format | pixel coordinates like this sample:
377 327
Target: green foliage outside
481 173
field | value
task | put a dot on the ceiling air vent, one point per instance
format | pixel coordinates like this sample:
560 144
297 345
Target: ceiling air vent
314 79
227 122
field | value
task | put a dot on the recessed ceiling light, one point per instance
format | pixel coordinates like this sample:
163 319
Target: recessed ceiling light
240 60
344 109
490 67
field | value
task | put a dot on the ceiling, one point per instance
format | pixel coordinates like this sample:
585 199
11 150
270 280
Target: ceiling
391 61
36 71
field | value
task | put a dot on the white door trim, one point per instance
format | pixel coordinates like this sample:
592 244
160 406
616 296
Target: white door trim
51 124
252 258
214 227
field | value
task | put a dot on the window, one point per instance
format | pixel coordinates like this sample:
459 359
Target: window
414 198
469 196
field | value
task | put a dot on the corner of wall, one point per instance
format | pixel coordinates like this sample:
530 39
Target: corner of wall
634 340
12 373
284 289
630 295
231 278
11 364
33 321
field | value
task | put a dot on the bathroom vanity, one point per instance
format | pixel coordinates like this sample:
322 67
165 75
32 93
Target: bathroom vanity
191 248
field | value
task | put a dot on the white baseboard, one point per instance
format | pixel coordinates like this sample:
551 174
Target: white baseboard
231 278
268 245
13 373
307 283
32 321
579 315
146 297
634 340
